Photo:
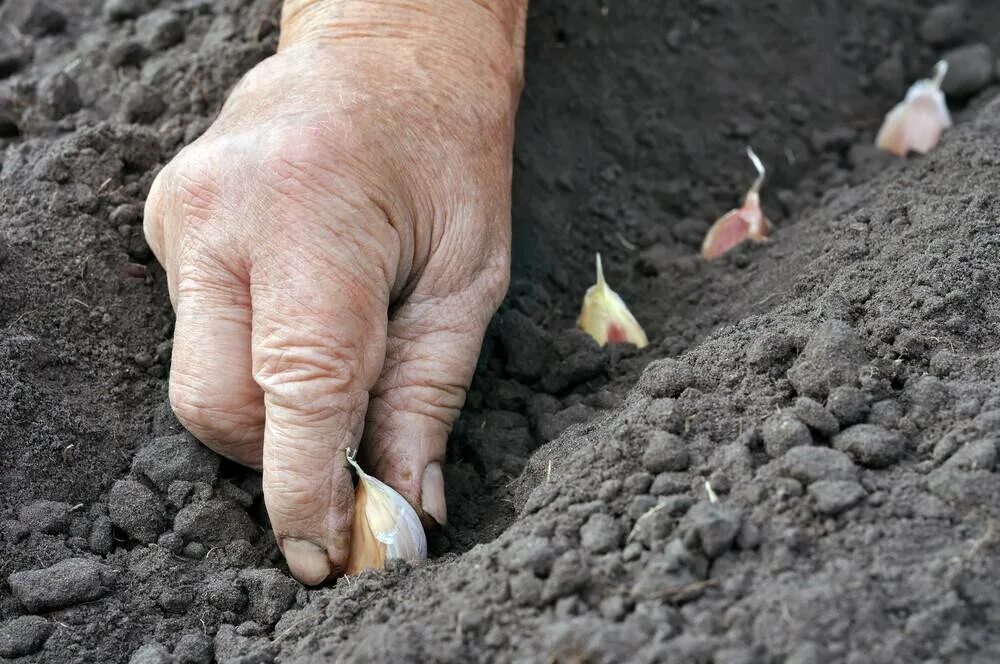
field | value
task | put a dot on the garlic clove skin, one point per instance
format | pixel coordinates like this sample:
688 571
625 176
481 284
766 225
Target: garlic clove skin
744 223
917 123
385 526
606 318
735 227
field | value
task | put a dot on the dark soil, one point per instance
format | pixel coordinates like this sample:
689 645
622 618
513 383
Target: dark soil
836 388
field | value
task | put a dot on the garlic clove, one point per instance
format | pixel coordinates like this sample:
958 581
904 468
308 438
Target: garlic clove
744 223
385 526
916 123
606 318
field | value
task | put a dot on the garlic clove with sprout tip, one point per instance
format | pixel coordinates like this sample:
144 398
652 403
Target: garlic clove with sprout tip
606 318
746 222
916 123
385 526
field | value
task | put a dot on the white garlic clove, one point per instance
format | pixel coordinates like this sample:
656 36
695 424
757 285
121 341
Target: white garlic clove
916 123
385 526
606 318
744 223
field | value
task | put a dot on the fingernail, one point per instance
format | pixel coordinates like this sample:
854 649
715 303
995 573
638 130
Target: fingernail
307 562
432 493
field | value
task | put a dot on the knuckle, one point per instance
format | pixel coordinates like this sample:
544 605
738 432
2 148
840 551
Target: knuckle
312 161
210 414
297 368
189 184
440 402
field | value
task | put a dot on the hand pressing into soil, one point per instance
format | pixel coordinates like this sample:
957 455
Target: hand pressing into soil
335 245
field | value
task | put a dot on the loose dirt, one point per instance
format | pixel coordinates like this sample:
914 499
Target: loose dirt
800 468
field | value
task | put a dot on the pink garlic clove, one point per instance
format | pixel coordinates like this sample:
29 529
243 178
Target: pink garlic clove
916 123
744 223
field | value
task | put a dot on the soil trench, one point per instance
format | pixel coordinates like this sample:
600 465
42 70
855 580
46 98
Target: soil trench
835 390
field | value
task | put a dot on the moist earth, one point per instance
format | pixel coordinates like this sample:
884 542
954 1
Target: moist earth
800 468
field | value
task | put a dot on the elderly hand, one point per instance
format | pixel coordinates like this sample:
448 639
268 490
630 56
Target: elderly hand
335 245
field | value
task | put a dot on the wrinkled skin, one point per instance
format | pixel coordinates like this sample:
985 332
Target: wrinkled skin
335 245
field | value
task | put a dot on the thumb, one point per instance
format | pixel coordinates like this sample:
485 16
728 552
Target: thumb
432 350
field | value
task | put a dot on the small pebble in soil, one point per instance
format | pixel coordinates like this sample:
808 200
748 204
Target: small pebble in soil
215 522
783 431
159 30
769 349
171 541
531 553
175 600
886 413
666 484
848 405
678 567
271 593
10 118
638 483
66 583
943 24
45 516
871 445
126 53
580 359
14 54
712 527
164 351
970 69
151 653
665 414
654 526
833 356
889 76
609 489
36 19
225 595
569 574
600 534
177 457
815 416
241 553
233 647
525 589
665 452
79 525
58 96
143 359
135 509
101 538
831 497
811 463
976 455
119 10
666 378
194 648
13 531
141 104
639 505
23 636
527 346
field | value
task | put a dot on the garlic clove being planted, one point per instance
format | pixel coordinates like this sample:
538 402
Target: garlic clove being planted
744 223
605 317
916 123
385 526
